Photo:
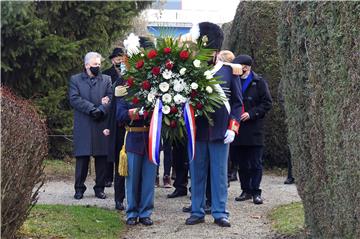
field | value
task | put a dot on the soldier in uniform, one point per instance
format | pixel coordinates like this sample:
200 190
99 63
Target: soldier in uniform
212 141
247 149
139 183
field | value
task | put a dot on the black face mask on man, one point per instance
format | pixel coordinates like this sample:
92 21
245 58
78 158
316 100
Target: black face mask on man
95 70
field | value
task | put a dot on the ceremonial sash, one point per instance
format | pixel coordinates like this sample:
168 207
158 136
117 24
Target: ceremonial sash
189 118
155 133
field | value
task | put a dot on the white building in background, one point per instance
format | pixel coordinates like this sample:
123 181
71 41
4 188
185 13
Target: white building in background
180 15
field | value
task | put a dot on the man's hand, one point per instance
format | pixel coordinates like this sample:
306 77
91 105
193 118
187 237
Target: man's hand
245 116
229 136
96 114
105 100
106 132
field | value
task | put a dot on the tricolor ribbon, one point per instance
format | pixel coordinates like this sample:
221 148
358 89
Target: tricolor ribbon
155 133
189 118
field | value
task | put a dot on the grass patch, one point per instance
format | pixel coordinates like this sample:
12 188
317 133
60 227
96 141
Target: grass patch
288 219
59 169
59 221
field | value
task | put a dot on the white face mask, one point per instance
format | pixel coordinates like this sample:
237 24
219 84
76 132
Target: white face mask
122 69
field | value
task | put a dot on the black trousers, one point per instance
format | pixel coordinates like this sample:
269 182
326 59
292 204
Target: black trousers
109 175
290 175
81 171
249 160
119 184
181 166
167 160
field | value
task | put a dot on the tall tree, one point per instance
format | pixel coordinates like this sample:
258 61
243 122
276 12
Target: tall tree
319 45
43 43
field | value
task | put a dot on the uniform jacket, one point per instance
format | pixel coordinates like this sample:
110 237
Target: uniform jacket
257 102
136 142
85 95
221 117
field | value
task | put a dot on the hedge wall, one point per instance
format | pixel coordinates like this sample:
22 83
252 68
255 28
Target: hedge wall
254 32
319 46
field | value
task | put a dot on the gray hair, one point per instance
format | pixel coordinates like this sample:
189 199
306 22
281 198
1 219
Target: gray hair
91 55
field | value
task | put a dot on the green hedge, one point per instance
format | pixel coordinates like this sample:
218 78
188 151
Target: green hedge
254 32
319 45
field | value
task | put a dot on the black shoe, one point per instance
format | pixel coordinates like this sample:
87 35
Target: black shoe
146 221
289 181
186 209
78 195
243 197
194 220
108 184
222 222
257 199
100 195
131 221
119 205
207 209
176 194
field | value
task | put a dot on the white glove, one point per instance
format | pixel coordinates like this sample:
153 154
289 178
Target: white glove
141 111
229 136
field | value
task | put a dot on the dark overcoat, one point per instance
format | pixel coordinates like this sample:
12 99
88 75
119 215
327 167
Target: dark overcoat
257 102
85 95
117 129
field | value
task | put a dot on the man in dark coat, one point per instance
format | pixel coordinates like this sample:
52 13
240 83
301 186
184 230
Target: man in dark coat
90 94
115 131
247 149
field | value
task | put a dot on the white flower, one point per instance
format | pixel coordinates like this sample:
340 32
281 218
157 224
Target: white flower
178 99
178 87
166 109
182 71
166 98
197 63
209 89
132 44
164 86
151 97
167 74
194 86
208 75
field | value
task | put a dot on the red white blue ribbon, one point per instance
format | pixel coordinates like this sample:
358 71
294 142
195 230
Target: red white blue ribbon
155 133
189 118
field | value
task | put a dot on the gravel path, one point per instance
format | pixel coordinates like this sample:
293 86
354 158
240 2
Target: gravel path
247 220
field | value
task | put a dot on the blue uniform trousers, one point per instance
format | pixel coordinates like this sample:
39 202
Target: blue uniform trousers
215 155
140 186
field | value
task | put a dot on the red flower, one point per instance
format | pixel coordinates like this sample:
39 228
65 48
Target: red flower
199 106
139 64
135 100
193 94
169 65
130 81
173 110
156 70
167 50
173 124
152 54
146 85
184 55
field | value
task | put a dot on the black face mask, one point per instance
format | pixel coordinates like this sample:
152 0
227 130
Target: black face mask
95 70
117 65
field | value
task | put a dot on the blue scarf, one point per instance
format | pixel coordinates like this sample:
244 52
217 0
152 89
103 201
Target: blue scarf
247 82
